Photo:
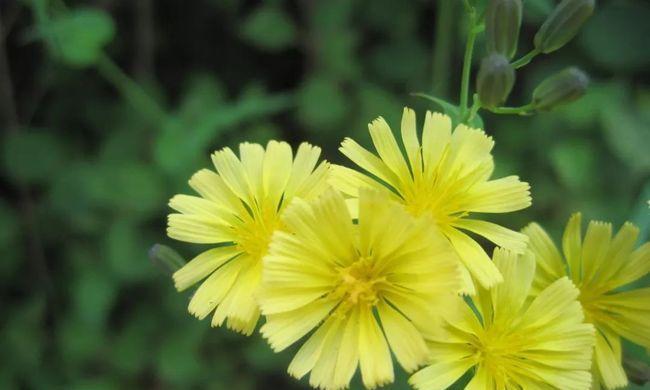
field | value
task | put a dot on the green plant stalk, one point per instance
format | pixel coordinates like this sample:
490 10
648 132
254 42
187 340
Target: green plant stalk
525 60
467 64
523 110
131 91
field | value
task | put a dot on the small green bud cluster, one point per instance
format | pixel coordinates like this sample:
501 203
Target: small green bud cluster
496 75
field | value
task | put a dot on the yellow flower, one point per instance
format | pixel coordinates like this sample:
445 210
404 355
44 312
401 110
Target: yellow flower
600 265
447 176
328 274
239 208
512 342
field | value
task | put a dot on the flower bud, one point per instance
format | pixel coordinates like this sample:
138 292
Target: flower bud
561 88
563 24
495 80
502 23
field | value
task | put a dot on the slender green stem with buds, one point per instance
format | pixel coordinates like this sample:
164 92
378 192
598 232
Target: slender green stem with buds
523 61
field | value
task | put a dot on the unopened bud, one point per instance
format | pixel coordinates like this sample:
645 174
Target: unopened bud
495 80
165 258
561 88
502 23
563 24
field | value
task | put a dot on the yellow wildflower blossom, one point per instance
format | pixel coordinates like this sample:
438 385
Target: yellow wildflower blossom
239 208
447 176
511 342
328 274
600 265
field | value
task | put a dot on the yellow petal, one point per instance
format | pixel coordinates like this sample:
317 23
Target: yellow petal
441 375
550 265
499 235
405 340
198 229
233 174
595 248
252 159
303 165
410 139
435 140
572 246
474 258
283 329
518 271
386 145
214 289
368 161
278 162
497 196
202 265
310 352
607 357
374 356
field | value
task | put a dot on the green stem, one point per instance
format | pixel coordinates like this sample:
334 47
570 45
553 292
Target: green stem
476 105
131 91
523 110
525 59
467 64
442 47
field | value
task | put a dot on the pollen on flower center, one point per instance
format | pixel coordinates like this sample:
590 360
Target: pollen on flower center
358 283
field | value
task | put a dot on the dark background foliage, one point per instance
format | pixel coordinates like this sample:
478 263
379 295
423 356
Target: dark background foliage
108 106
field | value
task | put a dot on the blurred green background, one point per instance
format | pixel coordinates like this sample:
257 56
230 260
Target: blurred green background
109 106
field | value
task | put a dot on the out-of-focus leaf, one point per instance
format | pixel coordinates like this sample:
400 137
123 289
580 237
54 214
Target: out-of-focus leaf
78 37
177 359
616 37
32 156
21 336
574 163
627 134
93 293
8 225
269 28
321 104
125 249
179 149
335 41
411 67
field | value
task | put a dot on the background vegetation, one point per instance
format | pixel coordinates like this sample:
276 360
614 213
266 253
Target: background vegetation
108 106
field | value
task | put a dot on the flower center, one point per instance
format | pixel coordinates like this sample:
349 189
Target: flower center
497 350
255 234
359 283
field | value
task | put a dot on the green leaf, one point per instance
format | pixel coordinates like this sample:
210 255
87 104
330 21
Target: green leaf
125 249
94 292
32 156
617 35
575 163
269 28
321 104
627 133
79 36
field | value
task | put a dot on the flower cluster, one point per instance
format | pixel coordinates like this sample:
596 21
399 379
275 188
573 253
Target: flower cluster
367 267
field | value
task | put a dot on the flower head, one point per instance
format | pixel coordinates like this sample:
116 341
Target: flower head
600 265
447 176
325 273
512 342
239 208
